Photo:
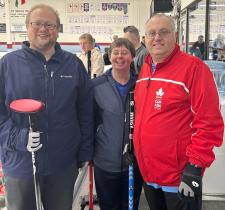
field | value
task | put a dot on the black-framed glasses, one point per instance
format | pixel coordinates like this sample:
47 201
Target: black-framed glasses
38 25
162 33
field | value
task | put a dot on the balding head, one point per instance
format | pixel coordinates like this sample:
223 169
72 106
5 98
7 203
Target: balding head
163 16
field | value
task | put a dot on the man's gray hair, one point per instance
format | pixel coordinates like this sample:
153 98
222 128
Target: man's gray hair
171 19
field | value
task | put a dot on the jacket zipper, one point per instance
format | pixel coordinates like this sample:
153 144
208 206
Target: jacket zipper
149 79
46 105
123 142
143 109
46 85
53 84
124 124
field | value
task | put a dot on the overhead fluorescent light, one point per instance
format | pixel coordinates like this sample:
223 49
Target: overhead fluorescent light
213 5
201 14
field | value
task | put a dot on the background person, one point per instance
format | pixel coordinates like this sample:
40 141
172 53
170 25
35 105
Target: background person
106 55
175 131
132 34
115 37
97 45
112 128
41 70
218 47
97 62
143 41
198 48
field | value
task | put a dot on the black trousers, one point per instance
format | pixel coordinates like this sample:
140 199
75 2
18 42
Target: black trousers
159 200
112 189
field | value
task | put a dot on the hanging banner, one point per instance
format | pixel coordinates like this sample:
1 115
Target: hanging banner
97 17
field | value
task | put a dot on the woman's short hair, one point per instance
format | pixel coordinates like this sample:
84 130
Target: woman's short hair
122 42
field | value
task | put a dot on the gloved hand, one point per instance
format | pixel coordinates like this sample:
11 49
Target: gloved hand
191 182
33 143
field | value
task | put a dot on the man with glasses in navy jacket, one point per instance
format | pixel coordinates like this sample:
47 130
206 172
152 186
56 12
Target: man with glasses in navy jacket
41 70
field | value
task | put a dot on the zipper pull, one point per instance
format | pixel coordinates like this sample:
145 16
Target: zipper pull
148 83
151 72
45 68
53 85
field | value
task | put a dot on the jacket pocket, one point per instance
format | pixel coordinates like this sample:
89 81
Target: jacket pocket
160 155
10 158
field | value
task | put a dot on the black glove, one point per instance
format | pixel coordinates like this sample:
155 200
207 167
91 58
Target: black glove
191 182
128 155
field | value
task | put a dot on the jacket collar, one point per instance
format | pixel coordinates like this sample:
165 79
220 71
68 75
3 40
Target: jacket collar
133 78
148 59
56 57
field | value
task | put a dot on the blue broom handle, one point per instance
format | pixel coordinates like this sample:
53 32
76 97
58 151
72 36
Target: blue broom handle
131 188
131 167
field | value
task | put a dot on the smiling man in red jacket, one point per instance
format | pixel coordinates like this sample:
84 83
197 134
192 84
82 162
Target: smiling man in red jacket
177 120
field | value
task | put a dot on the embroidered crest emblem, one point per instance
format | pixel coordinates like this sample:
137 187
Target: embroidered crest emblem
158 99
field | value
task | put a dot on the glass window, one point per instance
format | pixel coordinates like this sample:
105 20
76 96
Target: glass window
182 32
217 30
196 45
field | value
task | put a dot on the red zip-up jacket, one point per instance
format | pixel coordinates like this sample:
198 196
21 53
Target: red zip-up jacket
177 117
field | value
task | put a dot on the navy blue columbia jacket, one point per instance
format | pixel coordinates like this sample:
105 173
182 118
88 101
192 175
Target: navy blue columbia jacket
63 85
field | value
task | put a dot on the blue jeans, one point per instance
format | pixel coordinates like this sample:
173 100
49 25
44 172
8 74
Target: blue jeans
56 191
112 189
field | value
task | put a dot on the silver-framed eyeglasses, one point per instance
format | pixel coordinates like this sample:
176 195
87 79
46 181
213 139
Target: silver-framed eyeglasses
38 25
162 33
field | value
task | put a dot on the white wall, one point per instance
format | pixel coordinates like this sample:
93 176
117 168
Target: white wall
101 24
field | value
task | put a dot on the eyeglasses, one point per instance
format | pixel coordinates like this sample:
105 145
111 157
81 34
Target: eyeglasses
38 25
122 53
162 33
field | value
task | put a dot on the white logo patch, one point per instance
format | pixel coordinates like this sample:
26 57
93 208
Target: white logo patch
66 76
158 99
195 184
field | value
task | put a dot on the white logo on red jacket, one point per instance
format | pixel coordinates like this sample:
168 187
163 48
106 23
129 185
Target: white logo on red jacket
158 99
